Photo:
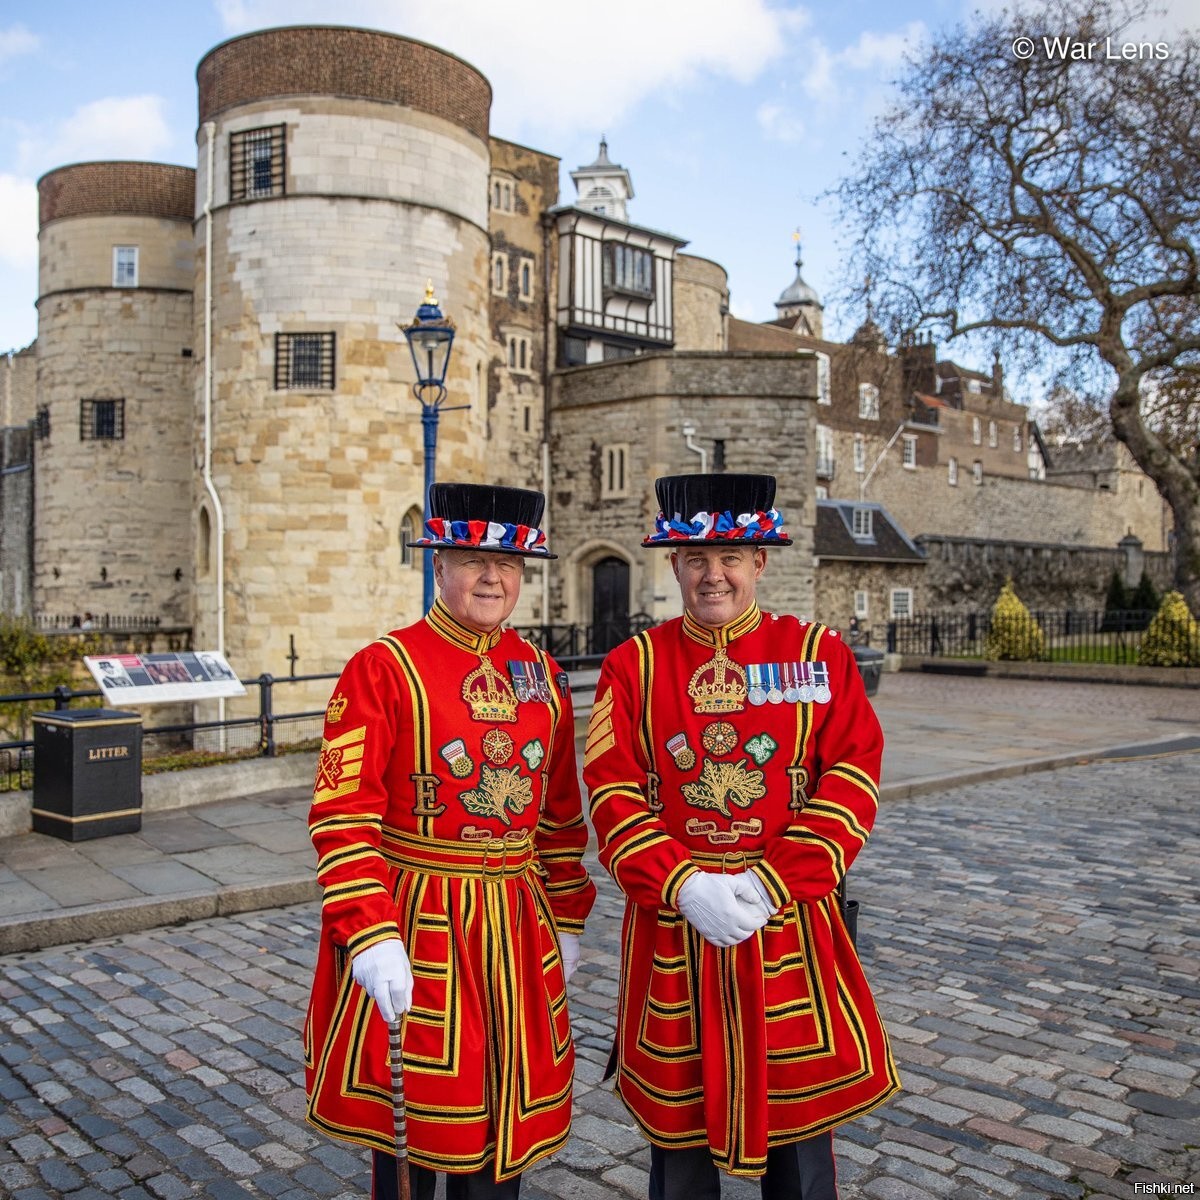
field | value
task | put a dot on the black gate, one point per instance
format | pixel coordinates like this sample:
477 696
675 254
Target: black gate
610 604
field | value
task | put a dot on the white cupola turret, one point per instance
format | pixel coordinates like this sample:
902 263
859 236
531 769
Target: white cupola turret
604 187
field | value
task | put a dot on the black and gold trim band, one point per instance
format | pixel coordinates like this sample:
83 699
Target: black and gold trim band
722 635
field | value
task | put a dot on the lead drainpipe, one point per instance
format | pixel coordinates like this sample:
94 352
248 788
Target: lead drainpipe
210 130
862 487
689 432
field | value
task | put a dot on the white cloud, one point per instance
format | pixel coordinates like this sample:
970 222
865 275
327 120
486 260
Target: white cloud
18 222
873 52
778 124
115 127
558 67
17 41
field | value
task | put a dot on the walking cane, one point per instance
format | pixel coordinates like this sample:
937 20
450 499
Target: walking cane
399 1118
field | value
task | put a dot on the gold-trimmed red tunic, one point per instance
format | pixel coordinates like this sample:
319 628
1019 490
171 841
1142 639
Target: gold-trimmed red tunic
777 1038
447 812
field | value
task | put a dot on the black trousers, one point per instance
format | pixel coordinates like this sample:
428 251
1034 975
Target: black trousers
479 1185
801 1170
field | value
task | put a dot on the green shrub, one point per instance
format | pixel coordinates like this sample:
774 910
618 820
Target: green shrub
1014 636
1173 637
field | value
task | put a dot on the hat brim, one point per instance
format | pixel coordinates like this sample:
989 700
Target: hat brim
480 549
721 543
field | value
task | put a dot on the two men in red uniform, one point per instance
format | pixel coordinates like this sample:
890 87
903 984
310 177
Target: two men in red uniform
448 824
732 762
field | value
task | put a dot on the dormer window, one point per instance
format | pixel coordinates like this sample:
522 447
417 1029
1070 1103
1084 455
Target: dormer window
628 270
862 526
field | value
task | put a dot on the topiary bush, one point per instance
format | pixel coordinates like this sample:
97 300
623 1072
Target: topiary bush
1173 636
1014 636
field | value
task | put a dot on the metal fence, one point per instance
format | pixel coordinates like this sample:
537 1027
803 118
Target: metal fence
579 646
193 743
1071 635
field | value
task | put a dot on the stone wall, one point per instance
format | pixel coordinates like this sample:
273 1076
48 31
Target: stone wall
966 574
18 386
760 405
701 304
16 520
837 582
1001 507
113 515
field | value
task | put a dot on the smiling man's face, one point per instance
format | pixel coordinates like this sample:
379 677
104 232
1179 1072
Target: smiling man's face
718 582
480 589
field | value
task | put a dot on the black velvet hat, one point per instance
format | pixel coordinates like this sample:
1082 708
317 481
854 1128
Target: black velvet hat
712 510
478 516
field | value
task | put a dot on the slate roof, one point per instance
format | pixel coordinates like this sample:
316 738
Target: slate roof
833 538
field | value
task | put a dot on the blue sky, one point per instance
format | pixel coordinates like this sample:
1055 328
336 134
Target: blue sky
732 116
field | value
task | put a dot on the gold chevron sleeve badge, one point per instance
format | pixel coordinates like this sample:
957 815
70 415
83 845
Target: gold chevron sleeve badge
600 729
340 764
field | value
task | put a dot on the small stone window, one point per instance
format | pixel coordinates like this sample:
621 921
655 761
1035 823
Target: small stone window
993 437
613 482
860 454
976 431
824 395
500 274
525 279
520 357
977 471
1016 439
952 472
909 450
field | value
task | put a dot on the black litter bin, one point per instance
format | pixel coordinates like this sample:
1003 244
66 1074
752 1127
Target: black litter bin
87 773
870 667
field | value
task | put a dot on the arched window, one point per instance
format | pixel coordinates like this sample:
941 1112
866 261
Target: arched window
411 527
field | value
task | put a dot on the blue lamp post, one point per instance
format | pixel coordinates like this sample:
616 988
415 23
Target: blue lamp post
430 336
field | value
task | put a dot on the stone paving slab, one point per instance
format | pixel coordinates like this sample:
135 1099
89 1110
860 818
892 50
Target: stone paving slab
1034 949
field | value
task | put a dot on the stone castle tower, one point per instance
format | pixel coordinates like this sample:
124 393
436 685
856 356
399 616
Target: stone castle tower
114 388
339 171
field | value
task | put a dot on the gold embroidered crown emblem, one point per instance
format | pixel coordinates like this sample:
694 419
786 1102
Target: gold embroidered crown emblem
489 694
718 686
335 709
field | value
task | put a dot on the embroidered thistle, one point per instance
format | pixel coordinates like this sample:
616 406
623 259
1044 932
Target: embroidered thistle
722 784
500 789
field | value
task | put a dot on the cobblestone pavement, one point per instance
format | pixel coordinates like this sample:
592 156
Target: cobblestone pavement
1032 942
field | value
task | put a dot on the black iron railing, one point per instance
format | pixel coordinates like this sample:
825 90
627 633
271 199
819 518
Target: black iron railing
1068 635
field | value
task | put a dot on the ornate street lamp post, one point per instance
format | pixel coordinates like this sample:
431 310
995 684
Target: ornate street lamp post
430 336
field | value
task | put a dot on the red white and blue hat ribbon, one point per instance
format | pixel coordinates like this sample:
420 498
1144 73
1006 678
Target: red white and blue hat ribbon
719 527
496 536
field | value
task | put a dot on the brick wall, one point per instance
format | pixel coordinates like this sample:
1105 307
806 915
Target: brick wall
100 188
316 61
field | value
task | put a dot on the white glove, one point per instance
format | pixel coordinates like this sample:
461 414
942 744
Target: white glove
382 971
748 887
710 904
568 947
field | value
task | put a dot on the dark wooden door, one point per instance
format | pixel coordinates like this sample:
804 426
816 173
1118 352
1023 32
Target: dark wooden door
610 604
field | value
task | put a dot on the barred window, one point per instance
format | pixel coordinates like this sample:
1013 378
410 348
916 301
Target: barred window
628 270
256 163
304 361
101 420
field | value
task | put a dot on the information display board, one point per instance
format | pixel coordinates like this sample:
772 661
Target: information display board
159 678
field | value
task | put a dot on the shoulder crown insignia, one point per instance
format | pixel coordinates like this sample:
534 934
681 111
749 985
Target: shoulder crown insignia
718 686
489 694
336 708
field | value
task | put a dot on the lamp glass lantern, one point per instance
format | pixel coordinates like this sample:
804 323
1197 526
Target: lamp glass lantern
430 338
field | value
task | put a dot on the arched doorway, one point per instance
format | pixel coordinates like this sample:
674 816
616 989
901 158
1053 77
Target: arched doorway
610 604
